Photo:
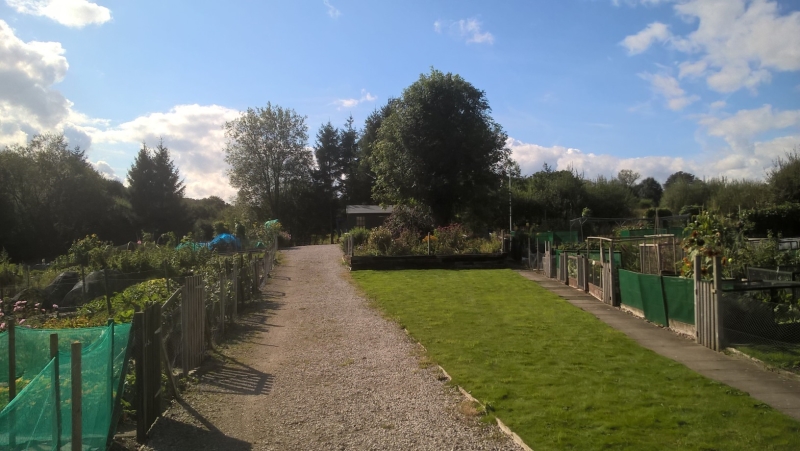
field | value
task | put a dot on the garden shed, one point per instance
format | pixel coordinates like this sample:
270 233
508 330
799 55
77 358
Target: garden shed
367 216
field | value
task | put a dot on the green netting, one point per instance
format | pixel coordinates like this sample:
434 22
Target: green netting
630 292
655 310
29 422
679 295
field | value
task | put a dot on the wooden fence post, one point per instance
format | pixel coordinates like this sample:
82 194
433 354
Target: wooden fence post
56 392
138 356
105 287
717 305
612 279
12 380
698 304
77 393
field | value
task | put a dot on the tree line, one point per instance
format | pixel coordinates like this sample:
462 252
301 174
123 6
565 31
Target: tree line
435 147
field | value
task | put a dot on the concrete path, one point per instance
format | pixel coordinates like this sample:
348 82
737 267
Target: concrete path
777 390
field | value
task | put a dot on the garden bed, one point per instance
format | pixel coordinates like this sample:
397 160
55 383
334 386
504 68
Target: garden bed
460 261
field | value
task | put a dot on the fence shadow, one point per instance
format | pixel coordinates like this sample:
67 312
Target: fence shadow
191 436
228 375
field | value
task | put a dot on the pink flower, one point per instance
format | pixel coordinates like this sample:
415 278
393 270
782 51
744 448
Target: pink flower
55 307
37 304
43 310
2 326
22 321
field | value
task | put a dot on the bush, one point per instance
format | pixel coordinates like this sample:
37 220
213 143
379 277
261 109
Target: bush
451 239
380 239
414 218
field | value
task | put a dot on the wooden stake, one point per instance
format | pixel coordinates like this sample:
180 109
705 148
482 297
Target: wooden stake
77 411
56 391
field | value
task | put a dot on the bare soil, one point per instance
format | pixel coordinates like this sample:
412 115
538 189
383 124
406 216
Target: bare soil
313 367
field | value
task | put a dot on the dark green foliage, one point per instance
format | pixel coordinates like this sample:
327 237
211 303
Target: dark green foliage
51 195
439 147
156 192
784 178
679 176
649 188
682 191
662 213
780 219
414 218
610 198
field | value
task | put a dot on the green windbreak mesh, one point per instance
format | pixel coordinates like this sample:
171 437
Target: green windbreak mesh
660 298
679 295
31 420
653 299
630 293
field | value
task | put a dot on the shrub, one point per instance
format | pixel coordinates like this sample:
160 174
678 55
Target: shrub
380 239
415 218
451 239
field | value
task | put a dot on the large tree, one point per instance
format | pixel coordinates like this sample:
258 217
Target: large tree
649 188
440 147
784 178
156 191
51 195
268 158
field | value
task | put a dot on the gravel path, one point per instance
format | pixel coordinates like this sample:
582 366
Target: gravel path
315 368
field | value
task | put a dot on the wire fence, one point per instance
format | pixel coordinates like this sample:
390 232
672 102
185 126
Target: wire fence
762 319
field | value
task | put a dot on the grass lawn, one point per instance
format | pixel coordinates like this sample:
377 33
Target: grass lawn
786 358
559 377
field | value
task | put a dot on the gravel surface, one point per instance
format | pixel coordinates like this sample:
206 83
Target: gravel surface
313 367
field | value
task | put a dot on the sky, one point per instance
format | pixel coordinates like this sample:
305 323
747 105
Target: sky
710 87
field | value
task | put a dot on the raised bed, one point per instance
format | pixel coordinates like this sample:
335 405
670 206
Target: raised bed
462 261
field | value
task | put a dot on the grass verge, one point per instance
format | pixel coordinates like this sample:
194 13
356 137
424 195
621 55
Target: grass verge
559 377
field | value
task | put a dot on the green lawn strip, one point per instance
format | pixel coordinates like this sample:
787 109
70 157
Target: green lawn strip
786 358
559 377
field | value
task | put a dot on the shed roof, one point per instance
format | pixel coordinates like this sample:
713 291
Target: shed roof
368 209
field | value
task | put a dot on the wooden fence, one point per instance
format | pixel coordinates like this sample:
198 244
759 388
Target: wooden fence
707 306
186 325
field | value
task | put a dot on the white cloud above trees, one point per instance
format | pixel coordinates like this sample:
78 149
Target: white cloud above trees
737 43
468 30
72 13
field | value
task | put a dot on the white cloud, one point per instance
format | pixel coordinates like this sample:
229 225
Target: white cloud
531 157
332 11
468 30
737 44
106 170
718 105
350 103
28 103
740 130
641 41
195 138
72 13
668 87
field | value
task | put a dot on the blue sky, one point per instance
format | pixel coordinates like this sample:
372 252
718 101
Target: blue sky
710 87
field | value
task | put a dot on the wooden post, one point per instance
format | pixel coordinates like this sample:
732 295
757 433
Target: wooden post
166 277
222 302
138 356
105 286
12 360
110 326
719 338
56 392
77 412
612 282
429 243
698 305
83 282
12 380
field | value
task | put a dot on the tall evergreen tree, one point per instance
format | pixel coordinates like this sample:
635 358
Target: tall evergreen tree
156 191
